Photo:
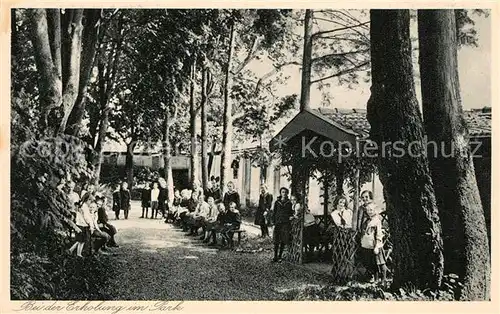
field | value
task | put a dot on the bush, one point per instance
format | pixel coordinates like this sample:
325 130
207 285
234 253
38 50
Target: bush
42 217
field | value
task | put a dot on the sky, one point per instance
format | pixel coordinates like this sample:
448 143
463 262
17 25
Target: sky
474 65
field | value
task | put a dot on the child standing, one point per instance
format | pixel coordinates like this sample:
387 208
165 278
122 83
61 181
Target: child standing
372 238
84 225
145 199
282 215
125 199
155 192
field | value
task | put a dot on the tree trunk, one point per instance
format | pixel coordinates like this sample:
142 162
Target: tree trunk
227 131
204 142
104 120
167 157
49 83
466 250
129 163
211 157
305 91
395 120
92 19
192 123
71 63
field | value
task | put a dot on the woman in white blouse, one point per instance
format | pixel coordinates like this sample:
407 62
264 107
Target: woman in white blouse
342 215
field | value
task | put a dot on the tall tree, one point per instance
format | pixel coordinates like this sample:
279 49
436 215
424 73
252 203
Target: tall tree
394 118
227 128
305 89
466 251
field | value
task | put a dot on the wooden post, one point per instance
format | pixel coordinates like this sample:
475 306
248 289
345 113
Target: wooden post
373 184
326 187
356 201
247 180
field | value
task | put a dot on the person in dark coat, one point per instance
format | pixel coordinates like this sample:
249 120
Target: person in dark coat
102 219
232 222
282 214
231 196
219 223
212 191
145 199
264 209
125 199
117 206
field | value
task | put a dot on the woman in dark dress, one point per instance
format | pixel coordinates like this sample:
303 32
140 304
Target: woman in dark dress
125 199
162 198
231 196
117 206
282 214
264 209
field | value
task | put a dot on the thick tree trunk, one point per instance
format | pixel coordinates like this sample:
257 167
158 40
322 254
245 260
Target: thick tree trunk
305 91
54 29
192 123
227 132
396 123
92 18
49 84
204 142
466 250
104 120
71 50
129 163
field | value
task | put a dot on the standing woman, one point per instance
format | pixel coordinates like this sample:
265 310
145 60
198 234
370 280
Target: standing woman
117 204
125 199
231 196
264 209
283 213
162 198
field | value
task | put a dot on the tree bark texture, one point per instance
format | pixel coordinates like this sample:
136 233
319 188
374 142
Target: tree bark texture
227 132
395 121
204 126
466 250
305 91
91 20
192 123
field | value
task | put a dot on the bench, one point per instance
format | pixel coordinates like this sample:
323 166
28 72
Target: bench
239 232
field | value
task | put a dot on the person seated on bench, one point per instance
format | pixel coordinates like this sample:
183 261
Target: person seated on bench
218 225
172 214
189 218
183 208
103 221
311 229
102 237
231 223
210 219
199 215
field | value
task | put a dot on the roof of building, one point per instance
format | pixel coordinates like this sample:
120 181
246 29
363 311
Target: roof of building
478 120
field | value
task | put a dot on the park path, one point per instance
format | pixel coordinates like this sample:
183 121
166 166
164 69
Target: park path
156 261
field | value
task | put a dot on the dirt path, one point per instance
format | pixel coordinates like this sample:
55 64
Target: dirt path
156 261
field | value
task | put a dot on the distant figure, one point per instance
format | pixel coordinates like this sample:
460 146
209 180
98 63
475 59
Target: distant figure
264 210
155 192
212 191
117 206
282 215
231 196
145 199
162 198
125 199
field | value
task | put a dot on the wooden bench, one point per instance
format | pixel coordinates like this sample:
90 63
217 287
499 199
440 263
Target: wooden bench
239 232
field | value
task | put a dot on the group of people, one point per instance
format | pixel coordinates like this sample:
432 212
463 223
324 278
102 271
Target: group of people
368 223
91 221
